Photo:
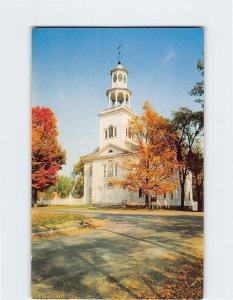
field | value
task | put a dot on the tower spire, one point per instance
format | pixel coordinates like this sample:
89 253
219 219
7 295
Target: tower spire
119 94
119 54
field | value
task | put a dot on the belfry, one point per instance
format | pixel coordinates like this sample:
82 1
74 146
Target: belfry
119 94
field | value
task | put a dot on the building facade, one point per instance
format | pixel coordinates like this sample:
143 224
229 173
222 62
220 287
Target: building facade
114 140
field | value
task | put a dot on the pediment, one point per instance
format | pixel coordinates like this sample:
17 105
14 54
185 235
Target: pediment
110 150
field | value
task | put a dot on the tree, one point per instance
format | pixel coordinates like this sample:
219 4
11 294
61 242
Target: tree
62 187
153 165
197 161
188 126
78 176
47 155
197 167
198 89
78 189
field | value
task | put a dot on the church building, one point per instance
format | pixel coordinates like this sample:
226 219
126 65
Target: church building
114 140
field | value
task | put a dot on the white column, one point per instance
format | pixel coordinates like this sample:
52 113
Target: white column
129 102
109 101
116 98
115 104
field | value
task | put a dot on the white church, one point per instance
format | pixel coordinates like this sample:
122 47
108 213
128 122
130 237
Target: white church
114 140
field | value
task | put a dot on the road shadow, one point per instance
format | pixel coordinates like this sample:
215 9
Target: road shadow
122 261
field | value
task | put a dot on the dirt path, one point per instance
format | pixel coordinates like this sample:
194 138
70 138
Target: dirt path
128 258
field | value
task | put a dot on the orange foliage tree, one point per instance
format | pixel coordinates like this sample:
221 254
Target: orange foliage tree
153 166
47 155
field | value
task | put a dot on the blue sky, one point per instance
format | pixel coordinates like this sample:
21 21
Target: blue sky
71 73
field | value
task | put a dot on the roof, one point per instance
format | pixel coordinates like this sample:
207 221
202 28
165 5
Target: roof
97 152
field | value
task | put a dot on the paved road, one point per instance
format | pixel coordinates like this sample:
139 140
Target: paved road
125 259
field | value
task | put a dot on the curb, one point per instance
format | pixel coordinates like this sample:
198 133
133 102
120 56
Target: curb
41 233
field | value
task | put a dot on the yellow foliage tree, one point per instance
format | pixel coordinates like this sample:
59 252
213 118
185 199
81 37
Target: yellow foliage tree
153 165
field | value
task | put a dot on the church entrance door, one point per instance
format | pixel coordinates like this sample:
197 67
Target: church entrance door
99 195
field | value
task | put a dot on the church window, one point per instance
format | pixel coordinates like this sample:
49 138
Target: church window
129 133
105 169
140 193
110 185
90 171
110 131
90 193
110 169
115 170
110 151
164 195
115 132
172 196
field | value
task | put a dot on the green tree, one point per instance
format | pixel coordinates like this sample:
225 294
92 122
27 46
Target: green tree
188 126
196 164
62 187
198 89
78 189
78 177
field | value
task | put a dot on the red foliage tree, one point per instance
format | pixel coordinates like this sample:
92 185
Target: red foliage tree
47 155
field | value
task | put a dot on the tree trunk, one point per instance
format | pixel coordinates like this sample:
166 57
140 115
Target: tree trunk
199 199
147 202
182 177
34 196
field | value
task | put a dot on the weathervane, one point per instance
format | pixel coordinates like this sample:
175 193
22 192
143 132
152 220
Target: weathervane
119 54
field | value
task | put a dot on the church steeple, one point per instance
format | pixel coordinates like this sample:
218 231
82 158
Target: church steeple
119 94
114 120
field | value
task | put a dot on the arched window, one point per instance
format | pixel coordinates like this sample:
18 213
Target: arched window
113 99
110 169
90 193
90 171
127 100
115 132
115 170
110 131
129 133
120 98
105 170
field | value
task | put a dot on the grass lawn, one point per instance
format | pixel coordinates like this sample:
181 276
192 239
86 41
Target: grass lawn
84 207
117 210
46 222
